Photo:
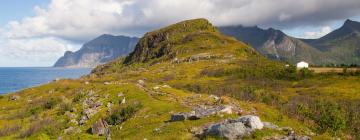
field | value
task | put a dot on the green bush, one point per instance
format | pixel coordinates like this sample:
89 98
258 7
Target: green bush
50 103
65 107
123 114
78 97
331 117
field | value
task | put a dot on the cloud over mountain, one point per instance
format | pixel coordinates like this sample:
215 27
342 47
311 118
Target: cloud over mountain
78 21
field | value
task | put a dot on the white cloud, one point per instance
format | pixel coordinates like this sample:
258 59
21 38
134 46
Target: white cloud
77 21
313 35
32 52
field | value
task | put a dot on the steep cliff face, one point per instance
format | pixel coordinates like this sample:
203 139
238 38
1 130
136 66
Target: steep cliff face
164 43
98 51
277 45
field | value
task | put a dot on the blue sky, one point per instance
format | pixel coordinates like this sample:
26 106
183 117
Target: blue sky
38 36
17 9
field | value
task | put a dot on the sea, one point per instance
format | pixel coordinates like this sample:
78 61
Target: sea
15 79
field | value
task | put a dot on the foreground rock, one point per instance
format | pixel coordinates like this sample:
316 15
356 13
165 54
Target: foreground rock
233 129
202 111
252 122
100 127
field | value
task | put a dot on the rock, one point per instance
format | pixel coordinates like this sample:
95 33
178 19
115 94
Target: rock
86 83
253 122
231 131
178 117
100 127
141 82
120 95
90 112
156 87
302 138
193 116
166 86
106 83
269 125
216 98
123 101
109 106
227 109
15 97
83 119
72 130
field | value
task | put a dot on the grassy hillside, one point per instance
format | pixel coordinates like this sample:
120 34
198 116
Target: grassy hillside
176 69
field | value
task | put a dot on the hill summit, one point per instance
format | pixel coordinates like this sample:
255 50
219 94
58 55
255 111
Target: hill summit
179 40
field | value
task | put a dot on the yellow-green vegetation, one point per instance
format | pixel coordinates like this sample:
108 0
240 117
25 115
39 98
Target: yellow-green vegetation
173 70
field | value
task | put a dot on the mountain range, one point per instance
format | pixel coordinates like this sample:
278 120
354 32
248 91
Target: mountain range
188 81
341 46
98 51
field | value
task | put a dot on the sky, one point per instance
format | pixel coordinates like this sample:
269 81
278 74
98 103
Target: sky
38 32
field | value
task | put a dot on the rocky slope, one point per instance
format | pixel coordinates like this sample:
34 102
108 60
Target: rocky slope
186 81
277 45
98 51
338 47
342 44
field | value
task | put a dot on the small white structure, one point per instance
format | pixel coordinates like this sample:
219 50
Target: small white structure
302 65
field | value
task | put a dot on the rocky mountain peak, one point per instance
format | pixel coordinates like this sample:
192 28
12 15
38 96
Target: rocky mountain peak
159 43
353 25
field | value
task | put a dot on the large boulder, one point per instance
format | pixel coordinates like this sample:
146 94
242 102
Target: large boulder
252 122
235 130
178 117
100 127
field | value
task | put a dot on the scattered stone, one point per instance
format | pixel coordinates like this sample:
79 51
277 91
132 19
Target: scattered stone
253 122
141 82
70 115
193 116
216 98
178 117
83 120
15 97
270 125
109 106
156 87
227 109
228 130
120 94
90 112
123 101
100 127
73 121
72 130
166 86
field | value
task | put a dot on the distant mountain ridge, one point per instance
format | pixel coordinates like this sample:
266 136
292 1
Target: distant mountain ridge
98 51
342 46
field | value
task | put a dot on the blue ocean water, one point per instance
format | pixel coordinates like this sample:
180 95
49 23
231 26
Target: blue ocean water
14 79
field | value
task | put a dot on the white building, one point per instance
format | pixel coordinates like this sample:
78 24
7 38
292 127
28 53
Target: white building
302 65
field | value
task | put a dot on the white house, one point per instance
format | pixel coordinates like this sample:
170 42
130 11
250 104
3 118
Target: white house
302 64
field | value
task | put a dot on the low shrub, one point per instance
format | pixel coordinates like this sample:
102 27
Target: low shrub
78 97
50 103
35 127
123 114
9 129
